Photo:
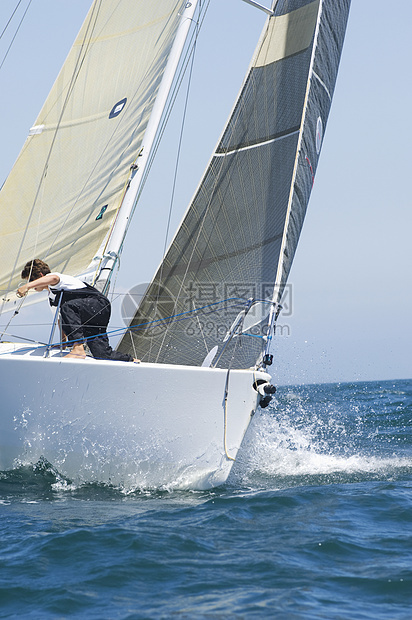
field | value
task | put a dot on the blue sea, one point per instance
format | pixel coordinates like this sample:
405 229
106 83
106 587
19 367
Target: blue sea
314 522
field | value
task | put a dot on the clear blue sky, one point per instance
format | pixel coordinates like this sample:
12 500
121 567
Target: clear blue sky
351 283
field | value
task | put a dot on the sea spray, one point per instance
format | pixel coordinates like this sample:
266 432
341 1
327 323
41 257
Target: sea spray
329 432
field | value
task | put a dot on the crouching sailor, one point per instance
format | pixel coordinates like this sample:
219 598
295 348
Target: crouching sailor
85 311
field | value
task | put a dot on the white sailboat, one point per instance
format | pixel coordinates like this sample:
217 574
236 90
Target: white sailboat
179 417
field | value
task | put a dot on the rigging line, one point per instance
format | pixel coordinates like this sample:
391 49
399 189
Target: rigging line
1 65
11 17
85 323
179 148
44 172
206 210
124 330
200 326
55 322
15 34
205 213
168 111
170 106
133 345
37 342
235 119
185 312
226 393
15 313
173 97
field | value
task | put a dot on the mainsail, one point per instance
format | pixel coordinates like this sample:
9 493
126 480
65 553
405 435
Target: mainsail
62 195
239 235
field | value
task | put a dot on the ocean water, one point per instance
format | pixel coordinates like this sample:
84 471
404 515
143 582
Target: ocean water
314 522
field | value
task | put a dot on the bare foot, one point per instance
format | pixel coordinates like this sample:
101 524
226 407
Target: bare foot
77 352
136 361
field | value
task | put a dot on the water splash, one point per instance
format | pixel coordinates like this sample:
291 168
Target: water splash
321 435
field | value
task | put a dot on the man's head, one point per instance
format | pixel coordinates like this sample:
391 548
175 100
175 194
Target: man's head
35 269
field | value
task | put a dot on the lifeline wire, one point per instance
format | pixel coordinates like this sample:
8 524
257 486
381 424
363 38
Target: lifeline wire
175 176
182 316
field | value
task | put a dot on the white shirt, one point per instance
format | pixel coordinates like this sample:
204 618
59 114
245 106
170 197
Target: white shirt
65 283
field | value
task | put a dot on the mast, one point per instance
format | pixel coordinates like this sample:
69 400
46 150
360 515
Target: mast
115 242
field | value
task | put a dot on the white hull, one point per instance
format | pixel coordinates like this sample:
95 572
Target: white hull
136 425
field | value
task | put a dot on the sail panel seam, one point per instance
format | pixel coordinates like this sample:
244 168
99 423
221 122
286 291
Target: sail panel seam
258 144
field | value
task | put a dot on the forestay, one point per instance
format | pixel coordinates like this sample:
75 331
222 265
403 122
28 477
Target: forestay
239 235
61 197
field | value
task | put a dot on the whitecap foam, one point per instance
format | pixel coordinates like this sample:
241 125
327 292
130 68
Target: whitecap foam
281 444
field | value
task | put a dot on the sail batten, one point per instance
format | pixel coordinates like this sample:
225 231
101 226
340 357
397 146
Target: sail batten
279 136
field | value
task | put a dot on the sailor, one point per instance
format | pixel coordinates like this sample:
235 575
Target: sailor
85 311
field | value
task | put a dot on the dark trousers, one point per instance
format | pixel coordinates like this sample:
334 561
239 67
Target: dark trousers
86 318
